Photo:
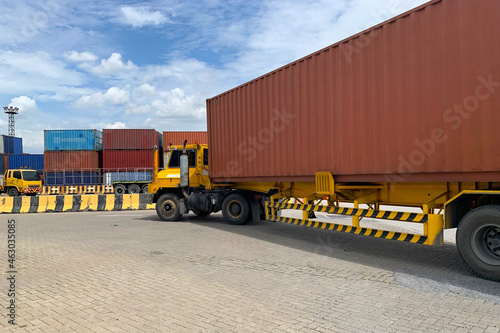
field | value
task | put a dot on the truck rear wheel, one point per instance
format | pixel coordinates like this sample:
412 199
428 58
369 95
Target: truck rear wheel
236 209
478 241
167 207
13 192
133 189
120 189
145 188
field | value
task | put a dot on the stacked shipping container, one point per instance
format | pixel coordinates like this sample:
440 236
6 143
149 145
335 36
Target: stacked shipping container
128 153
177 138
9 145
29 161
72 157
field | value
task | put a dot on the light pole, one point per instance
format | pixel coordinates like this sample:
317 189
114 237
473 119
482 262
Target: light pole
11 111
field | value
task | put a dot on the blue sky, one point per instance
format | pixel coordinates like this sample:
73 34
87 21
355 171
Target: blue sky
139 64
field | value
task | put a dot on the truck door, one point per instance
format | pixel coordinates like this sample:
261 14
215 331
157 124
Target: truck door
16 179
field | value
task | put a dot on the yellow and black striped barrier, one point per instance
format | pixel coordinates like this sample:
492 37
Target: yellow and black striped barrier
433 223
74 203
84 189
376 214
411 238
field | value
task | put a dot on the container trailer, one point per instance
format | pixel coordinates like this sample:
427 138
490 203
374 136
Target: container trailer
402 114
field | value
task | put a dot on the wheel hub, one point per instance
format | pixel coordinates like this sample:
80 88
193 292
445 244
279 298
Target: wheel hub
492 239
234 209
168 207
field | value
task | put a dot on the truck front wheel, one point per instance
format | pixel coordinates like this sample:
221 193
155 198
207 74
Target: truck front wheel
236 209
167 207
478 241
13 192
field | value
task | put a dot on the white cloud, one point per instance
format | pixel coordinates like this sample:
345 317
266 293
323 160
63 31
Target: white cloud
140 16
116 125
177 104
112 65
113 96
80 56
141 109
24 103
27 108
146 90
27 73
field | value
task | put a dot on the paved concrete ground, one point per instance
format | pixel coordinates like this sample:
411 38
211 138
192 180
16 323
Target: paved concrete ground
129 272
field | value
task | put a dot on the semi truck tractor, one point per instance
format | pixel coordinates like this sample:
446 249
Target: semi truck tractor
403 114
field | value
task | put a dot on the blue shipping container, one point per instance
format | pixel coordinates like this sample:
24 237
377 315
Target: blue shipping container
18 161
72 140
71 178
11 145
2 164
112 177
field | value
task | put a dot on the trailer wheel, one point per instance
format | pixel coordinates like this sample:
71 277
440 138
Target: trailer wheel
13 192
236 209
145 188
120 189
167 207
133 189
478 241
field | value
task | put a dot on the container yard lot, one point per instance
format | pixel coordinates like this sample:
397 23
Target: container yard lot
126 271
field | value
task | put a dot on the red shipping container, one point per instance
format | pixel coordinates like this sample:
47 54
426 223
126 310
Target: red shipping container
131 139
72 160
177 138
416 98
127 160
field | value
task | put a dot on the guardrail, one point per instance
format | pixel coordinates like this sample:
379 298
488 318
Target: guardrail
74 203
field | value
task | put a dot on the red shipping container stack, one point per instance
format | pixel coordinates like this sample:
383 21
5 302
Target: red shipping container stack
72 160
177 138
143 139
130 149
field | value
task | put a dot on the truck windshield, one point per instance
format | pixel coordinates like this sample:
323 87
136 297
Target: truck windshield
175 160
31 175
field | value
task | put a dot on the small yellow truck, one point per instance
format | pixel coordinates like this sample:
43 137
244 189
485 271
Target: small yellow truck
21 181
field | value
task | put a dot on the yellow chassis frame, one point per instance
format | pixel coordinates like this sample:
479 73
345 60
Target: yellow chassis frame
430 197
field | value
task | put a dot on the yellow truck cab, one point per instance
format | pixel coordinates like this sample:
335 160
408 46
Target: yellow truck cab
21 181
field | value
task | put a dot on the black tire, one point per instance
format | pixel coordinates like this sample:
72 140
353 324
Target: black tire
13 192
236 209
134 189
200 213
478 241
145 188
167 207
120 189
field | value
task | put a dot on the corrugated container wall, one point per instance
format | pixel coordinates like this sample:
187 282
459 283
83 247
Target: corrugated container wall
33 161
11 145
73 140
127 160
177 138
111 177
71 178
72 160
131 139
416 98
2 165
